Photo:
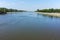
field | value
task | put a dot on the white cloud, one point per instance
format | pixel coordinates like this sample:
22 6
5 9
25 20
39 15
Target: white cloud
11 4
4 4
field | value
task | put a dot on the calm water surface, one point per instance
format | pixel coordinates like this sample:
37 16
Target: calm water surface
29 26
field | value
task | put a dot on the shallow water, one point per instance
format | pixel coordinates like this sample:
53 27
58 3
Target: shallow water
29 26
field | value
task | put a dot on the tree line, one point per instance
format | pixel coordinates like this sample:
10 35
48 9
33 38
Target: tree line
10 10
49 10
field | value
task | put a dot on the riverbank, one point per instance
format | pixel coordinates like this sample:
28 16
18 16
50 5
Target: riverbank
50 14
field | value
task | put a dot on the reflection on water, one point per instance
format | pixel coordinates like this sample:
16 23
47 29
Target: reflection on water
2 14
29 26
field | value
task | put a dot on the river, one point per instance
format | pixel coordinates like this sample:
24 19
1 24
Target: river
29 26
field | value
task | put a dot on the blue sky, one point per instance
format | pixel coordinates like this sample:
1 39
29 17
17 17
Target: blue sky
30 4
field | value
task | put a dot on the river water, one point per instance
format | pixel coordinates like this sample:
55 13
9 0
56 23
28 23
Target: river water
29 26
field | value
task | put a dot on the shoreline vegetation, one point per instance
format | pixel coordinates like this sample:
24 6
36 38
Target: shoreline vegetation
5 10
49 12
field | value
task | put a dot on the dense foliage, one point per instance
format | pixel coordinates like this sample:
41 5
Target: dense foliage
49 10
10 10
